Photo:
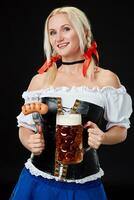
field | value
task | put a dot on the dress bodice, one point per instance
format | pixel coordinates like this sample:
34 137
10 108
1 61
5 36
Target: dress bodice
46 161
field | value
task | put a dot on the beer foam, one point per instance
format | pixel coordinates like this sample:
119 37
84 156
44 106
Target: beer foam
68 119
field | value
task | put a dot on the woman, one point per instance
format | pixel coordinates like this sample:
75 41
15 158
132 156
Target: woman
70 80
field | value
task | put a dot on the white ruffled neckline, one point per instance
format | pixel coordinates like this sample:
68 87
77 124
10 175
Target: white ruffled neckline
52 89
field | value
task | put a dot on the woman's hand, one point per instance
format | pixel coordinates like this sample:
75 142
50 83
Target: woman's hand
95 135
36 142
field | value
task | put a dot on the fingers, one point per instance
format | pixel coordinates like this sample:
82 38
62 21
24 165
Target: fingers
93 131
90 124
36 144
95 135
95 140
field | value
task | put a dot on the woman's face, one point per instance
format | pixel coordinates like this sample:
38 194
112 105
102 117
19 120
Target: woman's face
63 37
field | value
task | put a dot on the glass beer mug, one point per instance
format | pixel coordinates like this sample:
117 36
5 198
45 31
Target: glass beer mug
69 138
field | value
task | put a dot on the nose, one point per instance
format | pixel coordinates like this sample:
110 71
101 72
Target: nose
59 37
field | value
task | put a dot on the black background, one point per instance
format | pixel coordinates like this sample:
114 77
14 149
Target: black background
21 45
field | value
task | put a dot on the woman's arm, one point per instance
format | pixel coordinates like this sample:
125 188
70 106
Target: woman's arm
97 137
115 135
31 141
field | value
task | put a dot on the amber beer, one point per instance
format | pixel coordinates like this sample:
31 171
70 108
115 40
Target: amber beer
69 143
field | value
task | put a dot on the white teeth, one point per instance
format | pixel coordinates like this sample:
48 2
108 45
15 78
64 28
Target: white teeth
61 45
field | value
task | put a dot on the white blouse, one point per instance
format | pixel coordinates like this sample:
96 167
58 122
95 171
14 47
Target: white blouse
116 102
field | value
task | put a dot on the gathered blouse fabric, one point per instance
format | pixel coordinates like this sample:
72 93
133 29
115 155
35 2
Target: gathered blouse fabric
116 103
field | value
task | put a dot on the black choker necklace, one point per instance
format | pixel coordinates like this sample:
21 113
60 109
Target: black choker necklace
72 63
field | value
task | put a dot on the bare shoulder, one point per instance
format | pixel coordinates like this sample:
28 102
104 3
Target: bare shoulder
37 82
108 78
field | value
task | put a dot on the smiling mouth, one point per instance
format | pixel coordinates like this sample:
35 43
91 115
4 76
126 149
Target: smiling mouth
61 46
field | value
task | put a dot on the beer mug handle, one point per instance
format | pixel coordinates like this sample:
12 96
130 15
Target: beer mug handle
88 148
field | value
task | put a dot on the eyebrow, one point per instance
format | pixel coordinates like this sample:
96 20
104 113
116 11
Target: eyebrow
61 26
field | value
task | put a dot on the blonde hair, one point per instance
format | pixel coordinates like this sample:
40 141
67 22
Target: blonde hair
81 25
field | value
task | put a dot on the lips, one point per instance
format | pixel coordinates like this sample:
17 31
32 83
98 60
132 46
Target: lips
62 45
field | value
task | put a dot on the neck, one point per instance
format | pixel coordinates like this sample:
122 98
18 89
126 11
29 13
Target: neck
73 62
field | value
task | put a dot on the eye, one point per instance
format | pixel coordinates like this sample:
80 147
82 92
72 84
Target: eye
52 32
66 28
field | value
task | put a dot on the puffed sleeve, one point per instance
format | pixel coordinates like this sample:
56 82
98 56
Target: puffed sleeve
27 120
118 107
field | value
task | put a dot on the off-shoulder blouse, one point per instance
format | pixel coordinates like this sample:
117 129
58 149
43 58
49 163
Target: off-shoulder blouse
116 102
